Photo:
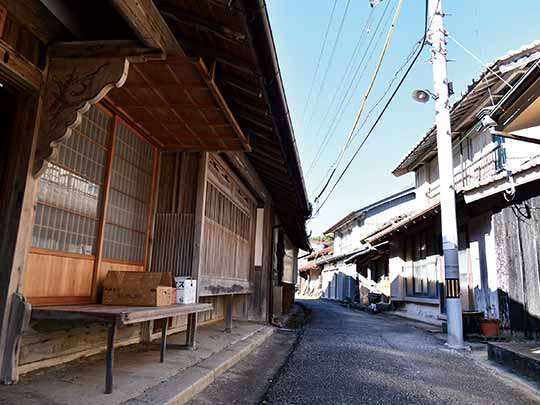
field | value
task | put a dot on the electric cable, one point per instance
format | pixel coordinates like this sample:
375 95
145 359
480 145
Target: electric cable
328 66
340 110
346 73
383 96
366 95
318 64
374 125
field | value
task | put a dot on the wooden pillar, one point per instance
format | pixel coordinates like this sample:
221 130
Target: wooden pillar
229 300
17 207
198 239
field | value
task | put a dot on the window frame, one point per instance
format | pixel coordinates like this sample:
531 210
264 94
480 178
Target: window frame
98 252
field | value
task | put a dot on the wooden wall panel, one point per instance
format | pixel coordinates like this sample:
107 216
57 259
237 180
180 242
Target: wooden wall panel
229 226
173 243
52 275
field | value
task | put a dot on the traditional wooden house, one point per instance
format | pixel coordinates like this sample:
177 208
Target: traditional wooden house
149 136
496 129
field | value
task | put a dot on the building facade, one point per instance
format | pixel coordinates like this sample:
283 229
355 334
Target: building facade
496 176
151 142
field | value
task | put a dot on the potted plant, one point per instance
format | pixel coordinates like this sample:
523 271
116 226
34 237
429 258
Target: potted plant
489 326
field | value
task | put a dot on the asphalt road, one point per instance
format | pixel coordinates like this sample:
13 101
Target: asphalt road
349 357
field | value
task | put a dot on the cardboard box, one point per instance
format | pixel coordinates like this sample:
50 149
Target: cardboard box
186 290
138 288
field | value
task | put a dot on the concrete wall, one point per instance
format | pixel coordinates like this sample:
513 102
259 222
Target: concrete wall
416 310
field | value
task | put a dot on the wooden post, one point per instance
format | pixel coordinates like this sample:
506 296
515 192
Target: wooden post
163 347
229 313
198 240
103 210
110 358
17 207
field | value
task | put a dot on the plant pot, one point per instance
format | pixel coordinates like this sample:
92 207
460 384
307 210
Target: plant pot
489 327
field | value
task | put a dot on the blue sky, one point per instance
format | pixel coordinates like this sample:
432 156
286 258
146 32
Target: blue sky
489 28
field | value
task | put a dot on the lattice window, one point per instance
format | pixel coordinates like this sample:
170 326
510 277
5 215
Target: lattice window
69 196
129 197
220 209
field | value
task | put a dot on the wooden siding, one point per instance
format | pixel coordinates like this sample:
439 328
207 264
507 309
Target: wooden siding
517 236
52 275
229 226
173 243
174 226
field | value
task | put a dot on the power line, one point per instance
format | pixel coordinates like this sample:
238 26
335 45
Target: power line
366 95
330 60
383 96
340 109
479 60
318 64
367 26
383 110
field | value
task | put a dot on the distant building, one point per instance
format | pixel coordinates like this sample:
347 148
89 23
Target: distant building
310 272
339 275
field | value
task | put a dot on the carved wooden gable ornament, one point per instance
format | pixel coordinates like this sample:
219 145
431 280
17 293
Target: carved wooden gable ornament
72 86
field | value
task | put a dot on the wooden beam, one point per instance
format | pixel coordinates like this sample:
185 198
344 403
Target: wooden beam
219 30
243 166
222 103
105 49
242 87
204 50
37 19
212 286
27 74
256 121
145 19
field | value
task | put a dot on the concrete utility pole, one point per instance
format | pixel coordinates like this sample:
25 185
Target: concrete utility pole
446 176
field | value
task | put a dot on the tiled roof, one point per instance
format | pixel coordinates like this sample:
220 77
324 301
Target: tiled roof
476 97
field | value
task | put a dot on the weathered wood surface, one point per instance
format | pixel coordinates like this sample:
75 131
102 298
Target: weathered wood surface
173 243
184 112
517 240
147 22
112 313
17 206
130 49
19 320
199 223
72 86
27 74
211 286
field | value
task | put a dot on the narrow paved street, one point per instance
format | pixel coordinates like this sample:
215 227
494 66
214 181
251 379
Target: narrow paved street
350 357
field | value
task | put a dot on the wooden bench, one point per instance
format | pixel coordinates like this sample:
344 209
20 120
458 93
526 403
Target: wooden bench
117 316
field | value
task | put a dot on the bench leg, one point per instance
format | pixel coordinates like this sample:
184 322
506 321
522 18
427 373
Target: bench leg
110 358
228 313
163 347
191 331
